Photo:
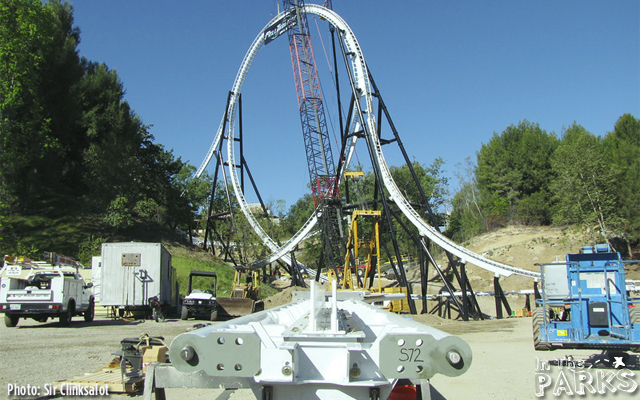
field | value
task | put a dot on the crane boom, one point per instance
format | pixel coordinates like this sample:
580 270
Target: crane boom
322 173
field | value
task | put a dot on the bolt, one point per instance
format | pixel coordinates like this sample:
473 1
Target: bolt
286 370
187 353
454 358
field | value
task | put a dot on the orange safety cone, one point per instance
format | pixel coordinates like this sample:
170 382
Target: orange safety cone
403 392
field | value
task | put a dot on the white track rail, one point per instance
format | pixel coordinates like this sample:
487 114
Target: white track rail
364 104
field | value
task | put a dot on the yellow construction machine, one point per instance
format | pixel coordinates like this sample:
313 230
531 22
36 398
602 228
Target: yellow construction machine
245 294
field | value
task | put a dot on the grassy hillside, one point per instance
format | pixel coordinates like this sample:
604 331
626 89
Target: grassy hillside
59 224
190 259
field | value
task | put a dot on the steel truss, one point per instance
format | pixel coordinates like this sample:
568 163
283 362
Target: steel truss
214 215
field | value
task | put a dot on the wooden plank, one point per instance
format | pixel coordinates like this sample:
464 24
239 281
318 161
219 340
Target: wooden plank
107 377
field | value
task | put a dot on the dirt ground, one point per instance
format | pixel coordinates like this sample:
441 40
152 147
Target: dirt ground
503 367
505 364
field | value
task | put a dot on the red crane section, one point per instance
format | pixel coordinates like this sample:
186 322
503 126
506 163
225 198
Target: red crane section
314 126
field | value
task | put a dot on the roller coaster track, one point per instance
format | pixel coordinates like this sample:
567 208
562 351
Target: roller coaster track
362 90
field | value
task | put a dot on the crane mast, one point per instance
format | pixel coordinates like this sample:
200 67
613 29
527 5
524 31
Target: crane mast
322 173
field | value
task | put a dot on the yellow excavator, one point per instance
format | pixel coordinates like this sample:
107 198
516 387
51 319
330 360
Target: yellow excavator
245 294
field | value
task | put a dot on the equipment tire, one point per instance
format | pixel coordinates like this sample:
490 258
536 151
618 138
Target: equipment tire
185 313
214 315
90 312
11 321
537 319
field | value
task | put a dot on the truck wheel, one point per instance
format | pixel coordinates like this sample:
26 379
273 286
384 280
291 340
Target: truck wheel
214 315
536 322
91 311
11 321
65 317
185 313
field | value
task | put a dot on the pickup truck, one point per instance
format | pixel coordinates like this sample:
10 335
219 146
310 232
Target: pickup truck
41 291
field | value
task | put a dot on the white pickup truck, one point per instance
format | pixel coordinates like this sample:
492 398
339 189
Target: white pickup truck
41 291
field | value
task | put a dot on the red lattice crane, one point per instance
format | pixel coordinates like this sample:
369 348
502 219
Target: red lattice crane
322 172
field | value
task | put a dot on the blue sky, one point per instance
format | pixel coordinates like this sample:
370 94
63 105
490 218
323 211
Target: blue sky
451 72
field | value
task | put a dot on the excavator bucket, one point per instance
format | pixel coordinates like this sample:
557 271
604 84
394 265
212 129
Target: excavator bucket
232 307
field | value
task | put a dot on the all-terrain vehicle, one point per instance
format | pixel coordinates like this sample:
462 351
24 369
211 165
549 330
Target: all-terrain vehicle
201 303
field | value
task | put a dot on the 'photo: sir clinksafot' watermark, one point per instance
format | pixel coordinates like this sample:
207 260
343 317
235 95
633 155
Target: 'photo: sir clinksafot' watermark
15 391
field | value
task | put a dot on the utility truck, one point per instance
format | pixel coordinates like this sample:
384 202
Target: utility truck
585 304
41 291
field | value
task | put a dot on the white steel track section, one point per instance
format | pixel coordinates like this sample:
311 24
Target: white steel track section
363 91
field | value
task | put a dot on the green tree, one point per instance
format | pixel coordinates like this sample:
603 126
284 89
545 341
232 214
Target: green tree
466 219
622 147
187 195
114 134
514 172
39 109
435 188
584 187
65 126
25 127
61 99
431 179
297 215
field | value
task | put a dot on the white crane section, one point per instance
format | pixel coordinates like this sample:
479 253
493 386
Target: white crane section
325 346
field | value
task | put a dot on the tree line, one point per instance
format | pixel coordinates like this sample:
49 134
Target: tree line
528 176
66 128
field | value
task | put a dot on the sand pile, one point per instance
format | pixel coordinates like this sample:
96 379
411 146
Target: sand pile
281 298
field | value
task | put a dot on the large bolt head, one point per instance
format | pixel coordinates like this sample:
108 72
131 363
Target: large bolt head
187 353
454 358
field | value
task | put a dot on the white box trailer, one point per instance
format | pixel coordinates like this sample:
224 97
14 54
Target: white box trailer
132 272
96 274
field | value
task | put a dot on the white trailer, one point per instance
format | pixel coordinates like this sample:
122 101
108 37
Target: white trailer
132 272
96 268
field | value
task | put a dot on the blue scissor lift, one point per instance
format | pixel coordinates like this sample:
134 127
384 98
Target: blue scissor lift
585 304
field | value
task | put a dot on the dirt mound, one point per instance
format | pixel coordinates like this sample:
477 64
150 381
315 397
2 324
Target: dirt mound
281 298
521 247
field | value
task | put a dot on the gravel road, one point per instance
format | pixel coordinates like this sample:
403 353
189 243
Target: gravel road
504 361
36 353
